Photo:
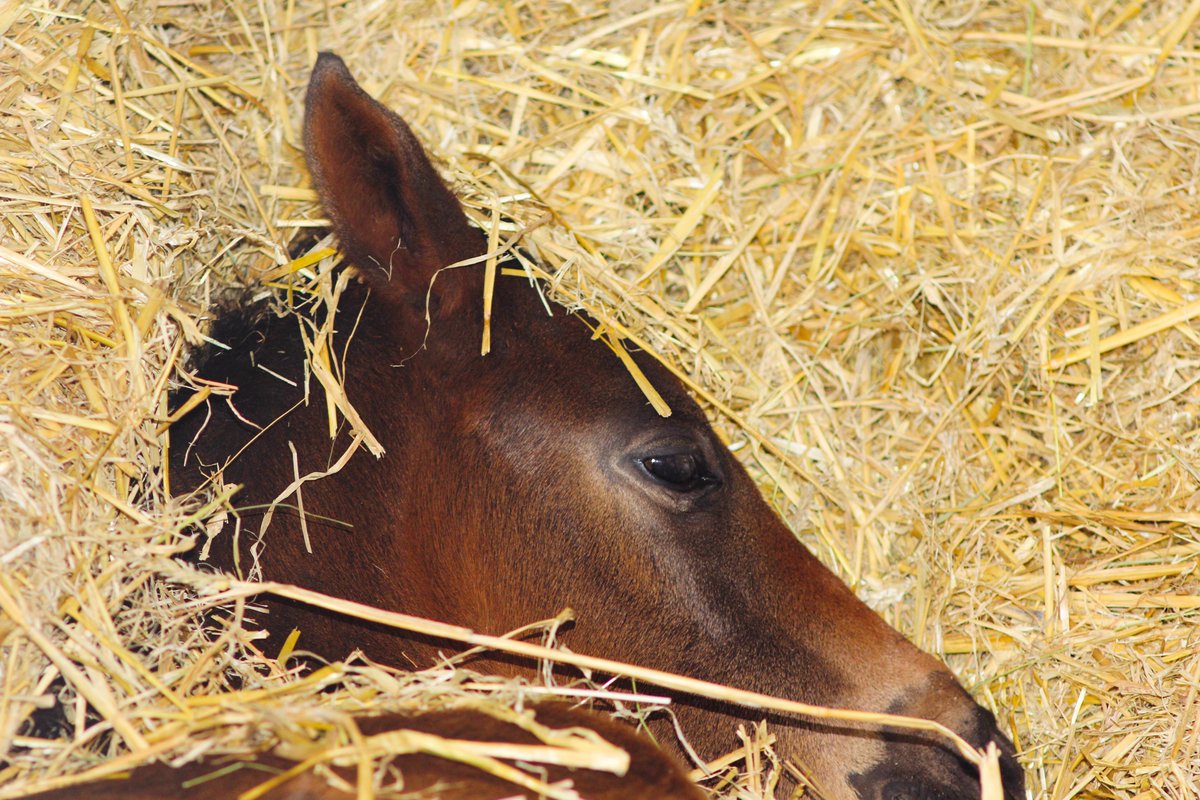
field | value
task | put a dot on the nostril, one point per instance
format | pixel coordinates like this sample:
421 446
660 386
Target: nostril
907 789
899 790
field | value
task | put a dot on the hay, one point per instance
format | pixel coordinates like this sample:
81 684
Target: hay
931 265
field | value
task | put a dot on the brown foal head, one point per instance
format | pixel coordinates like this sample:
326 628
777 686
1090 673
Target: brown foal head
538 477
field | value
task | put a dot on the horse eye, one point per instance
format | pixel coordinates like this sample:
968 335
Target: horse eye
680 472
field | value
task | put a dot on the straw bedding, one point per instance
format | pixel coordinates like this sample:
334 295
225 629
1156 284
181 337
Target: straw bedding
931 266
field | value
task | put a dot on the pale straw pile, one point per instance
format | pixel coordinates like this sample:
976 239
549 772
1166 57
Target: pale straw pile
931 266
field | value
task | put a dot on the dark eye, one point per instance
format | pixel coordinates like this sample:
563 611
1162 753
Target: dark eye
680 472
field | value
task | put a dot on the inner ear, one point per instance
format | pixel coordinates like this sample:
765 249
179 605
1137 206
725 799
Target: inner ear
393 216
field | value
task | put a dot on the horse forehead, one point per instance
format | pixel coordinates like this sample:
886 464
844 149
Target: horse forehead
552 364
552 389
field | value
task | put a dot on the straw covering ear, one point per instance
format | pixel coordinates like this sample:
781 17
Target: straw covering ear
394 217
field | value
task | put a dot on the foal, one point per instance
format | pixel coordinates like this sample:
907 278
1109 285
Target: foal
535 478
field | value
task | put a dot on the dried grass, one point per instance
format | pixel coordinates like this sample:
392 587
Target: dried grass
932 266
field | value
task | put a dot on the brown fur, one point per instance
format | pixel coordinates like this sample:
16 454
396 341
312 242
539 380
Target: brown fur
652 774
517 484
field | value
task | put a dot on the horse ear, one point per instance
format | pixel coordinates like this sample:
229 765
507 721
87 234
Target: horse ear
394 217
